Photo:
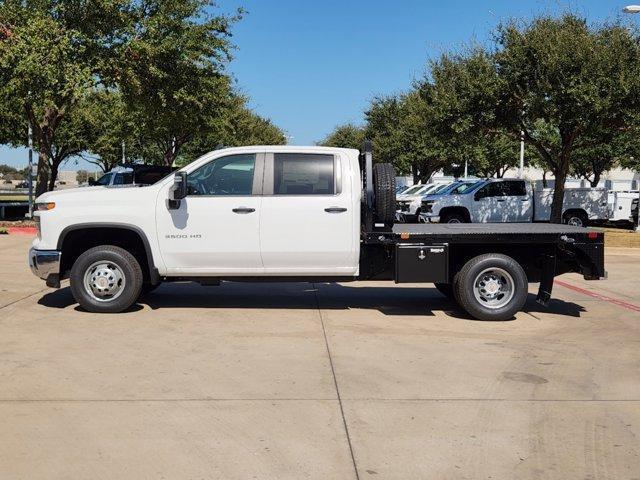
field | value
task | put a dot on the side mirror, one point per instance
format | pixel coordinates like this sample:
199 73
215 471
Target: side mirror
178 191
477 196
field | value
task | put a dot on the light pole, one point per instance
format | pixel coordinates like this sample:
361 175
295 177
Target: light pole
633 9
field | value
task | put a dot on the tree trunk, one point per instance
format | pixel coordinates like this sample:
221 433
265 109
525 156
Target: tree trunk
558 193
596 179
544 179
414 173
42 180
53 175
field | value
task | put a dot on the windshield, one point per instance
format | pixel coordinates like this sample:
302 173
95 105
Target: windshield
441 188
462 188
105 179
412 190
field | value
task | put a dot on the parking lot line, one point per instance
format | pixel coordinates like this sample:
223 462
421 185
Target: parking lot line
604 298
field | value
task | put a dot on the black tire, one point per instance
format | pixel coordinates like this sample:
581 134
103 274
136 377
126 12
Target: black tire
128 267
445 289
465 287
453 218
384 184
576 218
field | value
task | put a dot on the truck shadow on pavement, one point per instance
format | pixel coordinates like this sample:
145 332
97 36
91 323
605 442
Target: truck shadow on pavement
391 300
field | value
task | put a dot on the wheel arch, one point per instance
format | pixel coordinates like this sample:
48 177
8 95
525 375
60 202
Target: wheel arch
76 239
464 211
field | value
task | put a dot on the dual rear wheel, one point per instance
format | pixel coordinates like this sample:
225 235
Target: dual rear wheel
489 287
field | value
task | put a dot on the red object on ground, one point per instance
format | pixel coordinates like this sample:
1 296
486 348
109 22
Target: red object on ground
22 230
589 293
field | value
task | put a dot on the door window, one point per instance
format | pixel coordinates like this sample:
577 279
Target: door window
490 190
231 175
303 174
515 189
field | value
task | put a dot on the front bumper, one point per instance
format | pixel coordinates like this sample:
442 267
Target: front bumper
426 218
45 264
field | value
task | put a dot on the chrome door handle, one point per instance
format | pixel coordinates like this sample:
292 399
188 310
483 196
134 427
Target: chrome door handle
335 209
243 210
501 199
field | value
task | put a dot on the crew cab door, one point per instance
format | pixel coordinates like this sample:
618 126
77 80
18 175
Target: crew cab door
487 204
215 231
308 222
518 202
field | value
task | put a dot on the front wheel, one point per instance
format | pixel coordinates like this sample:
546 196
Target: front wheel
106 279
454 218
492 287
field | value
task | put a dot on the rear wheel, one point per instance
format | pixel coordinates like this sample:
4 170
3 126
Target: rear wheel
575 218
106 279
384 182
492 287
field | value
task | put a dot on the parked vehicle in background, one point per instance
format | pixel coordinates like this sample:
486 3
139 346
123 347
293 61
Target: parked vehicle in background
24 184
620 206
513 201
408 206
132 175
236 215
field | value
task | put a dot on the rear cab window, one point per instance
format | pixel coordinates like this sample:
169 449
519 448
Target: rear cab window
304 174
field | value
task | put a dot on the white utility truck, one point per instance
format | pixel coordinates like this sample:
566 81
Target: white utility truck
514 201
285 213
408 204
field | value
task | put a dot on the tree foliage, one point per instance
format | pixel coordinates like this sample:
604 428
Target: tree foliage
559 80
345 136
91 74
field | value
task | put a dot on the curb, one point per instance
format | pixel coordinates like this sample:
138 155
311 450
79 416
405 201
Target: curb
22 230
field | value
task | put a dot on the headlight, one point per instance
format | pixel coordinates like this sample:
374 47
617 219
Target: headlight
45 206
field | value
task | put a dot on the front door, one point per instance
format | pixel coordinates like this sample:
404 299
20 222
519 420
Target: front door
488 204
216 229
308 223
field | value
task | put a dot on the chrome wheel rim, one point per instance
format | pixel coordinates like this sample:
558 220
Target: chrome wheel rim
104 281
454 220
494 288
575 221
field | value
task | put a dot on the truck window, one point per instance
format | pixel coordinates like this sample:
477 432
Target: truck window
493 189
105 179
303 174
123 178
515 189
231 175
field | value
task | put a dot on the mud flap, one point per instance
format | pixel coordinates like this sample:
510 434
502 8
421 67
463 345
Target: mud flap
546 279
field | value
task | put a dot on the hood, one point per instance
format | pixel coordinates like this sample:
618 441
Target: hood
98 195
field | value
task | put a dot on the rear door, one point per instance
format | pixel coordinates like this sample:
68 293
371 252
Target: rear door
517 203
307 219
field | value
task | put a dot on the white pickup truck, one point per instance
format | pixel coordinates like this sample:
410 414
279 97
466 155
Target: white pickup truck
277 213
514 201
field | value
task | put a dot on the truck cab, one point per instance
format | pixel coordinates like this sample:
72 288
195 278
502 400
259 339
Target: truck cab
487 201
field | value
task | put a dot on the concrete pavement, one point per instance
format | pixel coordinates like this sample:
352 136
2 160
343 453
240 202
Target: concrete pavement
363 380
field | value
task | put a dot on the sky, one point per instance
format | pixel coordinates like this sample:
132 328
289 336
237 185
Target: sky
311 65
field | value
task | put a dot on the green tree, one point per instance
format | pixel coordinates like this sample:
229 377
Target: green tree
82 176
51 53
345 136
574 78
403 134
172 72
240 126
